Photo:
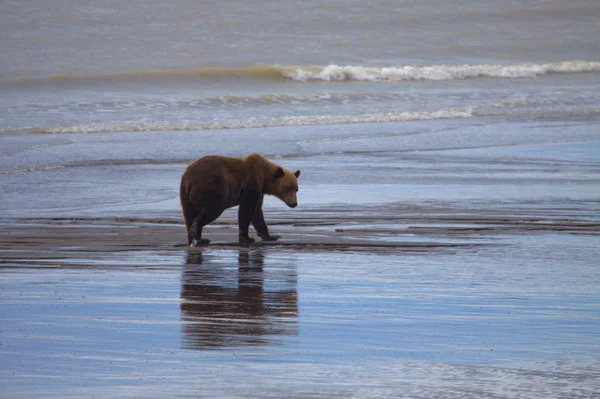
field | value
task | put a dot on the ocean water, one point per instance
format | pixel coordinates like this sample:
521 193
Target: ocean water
483 108
197 66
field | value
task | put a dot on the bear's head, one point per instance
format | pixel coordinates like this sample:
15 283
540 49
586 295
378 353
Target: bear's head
285 186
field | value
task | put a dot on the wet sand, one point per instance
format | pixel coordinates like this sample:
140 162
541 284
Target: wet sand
354 301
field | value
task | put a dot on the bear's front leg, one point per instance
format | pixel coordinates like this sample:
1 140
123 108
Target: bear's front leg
261 227
258 221
269 237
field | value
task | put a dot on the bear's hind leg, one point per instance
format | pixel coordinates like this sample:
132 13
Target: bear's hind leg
206 216
195 236
189 215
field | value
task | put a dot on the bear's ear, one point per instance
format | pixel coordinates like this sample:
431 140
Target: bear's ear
297 174
279 173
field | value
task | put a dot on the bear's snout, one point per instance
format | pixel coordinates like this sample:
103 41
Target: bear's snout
293 205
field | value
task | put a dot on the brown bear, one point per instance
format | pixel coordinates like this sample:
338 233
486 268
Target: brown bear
214 183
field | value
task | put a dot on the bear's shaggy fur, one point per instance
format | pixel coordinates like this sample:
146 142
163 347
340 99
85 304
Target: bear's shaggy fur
214 183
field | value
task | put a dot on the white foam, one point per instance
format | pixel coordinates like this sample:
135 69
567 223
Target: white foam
262 122
33 169
436 72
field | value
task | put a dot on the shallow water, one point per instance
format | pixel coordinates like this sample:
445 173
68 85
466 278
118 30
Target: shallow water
449 272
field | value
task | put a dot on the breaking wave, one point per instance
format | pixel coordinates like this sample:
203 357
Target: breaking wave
438 72
330 73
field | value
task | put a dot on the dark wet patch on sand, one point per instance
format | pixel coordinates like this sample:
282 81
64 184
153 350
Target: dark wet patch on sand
339 229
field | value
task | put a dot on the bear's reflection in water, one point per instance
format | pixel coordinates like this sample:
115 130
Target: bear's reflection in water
224 306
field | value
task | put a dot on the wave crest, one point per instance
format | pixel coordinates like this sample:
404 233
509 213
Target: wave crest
437 72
